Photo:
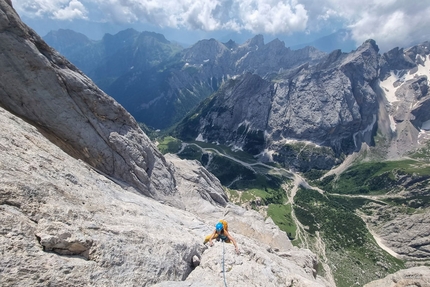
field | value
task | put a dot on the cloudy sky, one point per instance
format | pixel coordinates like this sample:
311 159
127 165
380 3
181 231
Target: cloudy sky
391 23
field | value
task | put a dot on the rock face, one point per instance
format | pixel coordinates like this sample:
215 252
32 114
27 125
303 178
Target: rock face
65 224
408 236
404 81
417 276
86 199
100 131
307 117
331 104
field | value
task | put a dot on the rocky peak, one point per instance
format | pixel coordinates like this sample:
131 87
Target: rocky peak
394 60
421 50
276 44
66 39
329 60
204 50
255 42
152 35
231 44
121 36
366 59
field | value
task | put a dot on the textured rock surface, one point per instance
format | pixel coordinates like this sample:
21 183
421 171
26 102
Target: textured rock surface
413 277
331 104
64 222
407 235
306 117
44 88
404 84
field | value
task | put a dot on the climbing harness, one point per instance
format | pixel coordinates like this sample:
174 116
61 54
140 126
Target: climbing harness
223 269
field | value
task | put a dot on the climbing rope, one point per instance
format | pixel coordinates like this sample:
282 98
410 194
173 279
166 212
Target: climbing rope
223 269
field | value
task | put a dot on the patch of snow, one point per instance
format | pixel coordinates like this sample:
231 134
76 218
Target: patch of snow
423 70
205 61
423 136
284 141
200 138
388 86
393 124
256 48
245 123
382 245
401 76
267 135
236 148
267 154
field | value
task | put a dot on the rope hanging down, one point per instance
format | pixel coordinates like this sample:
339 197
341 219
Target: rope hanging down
223 270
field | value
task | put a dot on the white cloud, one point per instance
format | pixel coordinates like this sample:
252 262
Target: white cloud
392 25
389 22
74 10
259 16
274 17
54 9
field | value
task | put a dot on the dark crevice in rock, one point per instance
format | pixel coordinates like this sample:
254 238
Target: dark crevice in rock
39 239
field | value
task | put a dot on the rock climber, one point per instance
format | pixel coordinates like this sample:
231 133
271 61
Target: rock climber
221 233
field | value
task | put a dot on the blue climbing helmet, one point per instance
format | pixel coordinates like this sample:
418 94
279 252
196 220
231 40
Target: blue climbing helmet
219 226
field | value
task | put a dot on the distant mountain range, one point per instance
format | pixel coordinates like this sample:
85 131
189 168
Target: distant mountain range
158 81
262 96
332 147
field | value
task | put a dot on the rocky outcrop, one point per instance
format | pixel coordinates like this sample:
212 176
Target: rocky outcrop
64 223
189 181
417 276
44 88
407 235
86 199
405 91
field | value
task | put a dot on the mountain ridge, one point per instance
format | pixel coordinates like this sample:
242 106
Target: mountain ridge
71 219
87 199
171 88
333 104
